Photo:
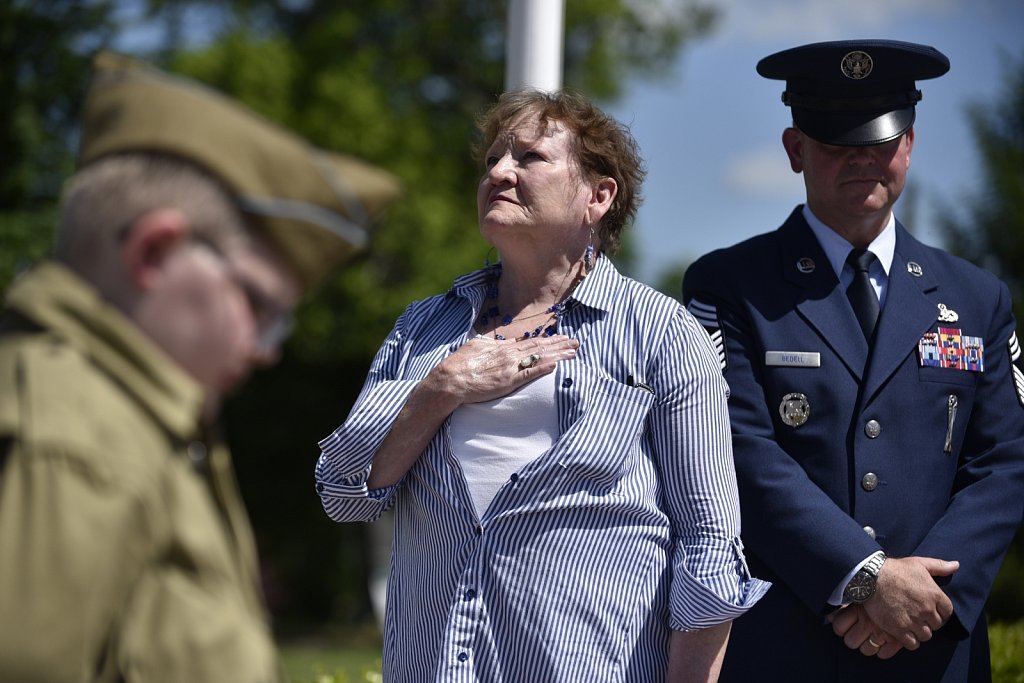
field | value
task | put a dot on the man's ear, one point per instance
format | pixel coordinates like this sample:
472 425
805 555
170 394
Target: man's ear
909 135
150 240
793 141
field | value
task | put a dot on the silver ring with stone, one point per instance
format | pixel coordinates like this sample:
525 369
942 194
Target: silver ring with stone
528 361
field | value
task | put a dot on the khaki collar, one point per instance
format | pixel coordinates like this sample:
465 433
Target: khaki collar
69 308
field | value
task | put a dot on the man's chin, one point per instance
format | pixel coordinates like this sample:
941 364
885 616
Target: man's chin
231 383
866 203
225 386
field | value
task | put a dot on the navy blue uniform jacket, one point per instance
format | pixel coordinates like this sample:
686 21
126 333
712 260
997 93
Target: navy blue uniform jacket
939 473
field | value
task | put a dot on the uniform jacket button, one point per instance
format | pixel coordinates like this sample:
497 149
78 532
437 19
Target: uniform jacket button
870 481
870 531
872 429
197 452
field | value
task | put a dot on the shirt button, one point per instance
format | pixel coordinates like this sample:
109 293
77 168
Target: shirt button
514 478
872 429
470 594
319 487
567 382
463 656
869 531
870 481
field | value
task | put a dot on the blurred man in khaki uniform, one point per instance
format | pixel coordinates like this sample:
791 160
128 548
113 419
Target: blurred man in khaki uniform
186 238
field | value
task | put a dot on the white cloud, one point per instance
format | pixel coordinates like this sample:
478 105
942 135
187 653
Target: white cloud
763 172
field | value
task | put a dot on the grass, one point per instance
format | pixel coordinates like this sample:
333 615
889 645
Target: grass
323 664
1007 652
323 661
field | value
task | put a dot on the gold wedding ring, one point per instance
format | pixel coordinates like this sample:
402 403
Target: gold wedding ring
872 641
528 361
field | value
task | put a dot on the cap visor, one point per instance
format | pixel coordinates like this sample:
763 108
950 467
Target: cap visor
854 129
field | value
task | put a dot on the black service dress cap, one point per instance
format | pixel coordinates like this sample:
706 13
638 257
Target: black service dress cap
854 92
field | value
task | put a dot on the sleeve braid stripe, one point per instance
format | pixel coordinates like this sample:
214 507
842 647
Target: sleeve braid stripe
707 316
1018 373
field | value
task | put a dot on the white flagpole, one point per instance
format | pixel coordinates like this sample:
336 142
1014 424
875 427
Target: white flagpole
534 44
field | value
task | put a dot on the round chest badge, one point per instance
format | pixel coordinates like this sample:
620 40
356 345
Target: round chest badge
794 409
857 65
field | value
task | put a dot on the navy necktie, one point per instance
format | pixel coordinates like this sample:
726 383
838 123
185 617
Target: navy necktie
861 293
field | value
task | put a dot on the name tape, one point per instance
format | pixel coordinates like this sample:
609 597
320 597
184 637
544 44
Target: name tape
793 359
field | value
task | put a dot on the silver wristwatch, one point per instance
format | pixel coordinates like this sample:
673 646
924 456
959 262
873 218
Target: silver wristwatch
862 585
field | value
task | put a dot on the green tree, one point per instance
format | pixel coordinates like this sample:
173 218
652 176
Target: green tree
401 87
989 231
42 76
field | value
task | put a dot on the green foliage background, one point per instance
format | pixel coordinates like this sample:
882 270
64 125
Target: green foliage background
988 229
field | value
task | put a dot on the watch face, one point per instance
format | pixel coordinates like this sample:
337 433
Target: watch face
860 588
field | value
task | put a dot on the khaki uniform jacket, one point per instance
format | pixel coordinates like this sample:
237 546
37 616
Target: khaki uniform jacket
125 551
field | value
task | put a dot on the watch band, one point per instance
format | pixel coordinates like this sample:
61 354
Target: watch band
874 564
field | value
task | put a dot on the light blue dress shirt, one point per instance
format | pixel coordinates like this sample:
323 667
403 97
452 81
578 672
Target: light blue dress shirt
589 555
836 249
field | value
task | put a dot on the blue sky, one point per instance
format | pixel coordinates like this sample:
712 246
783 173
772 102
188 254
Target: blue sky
711 133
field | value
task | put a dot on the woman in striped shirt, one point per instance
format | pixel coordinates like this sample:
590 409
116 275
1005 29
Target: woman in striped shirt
553 437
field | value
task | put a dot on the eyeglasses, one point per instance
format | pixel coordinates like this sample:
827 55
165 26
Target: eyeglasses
273 322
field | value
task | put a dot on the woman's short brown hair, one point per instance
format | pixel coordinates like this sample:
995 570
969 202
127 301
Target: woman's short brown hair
602 147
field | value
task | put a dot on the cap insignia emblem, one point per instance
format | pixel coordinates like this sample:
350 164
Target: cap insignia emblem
857 65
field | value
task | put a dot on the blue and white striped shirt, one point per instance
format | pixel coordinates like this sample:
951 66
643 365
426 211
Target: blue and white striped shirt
587 557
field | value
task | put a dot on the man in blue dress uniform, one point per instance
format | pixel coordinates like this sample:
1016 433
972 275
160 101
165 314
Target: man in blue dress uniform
877 400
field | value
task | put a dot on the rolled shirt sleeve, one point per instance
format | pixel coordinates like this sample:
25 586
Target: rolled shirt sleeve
346 455
690 437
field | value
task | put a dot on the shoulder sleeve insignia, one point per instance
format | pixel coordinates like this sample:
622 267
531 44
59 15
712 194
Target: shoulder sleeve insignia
1018 367
707 316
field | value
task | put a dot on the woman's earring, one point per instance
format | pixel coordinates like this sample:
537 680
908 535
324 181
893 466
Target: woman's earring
588 254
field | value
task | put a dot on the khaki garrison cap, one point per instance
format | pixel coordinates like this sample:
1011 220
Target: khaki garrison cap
316 206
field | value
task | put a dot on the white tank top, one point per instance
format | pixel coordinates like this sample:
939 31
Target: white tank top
493 439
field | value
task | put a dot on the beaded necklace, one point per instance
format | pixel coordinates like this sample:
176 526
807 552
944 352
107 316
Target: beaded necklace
547 328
